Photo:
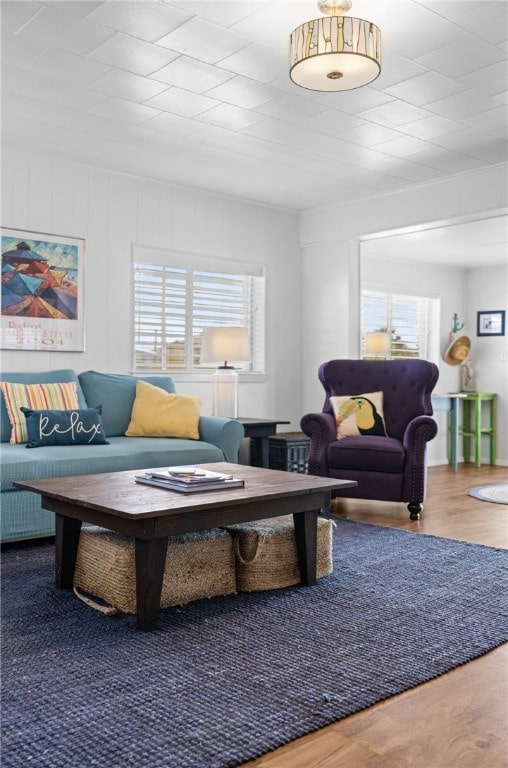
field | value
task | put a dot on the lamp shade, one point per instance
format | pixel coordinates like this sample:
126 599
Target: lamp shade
335 53
377 344
223 344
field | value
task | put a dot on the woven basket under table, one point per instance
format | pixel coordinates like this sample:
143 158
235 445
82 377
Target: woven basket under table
198 565
266 555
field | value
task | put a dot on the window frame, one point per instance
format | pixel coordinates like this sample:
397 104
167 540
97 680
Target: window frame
192 264
424 349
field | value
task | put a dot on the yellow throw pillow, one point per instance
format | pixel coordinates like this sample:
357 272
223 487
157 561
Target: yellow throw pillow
38 397
357 415
157 413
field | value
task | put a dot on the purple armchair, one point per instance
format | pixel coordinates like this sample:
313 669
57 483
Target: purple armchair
391 468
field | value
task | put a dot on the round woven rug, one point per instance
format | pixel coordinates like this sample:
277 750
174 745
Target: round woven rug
496 493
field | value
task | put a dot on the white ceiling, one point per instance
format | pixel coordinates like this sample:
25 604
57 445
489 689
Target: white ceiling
479 243
197 92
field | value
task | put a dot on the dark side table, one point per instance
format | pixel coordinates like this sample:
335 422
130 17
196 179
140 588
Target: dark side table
259 431
289 451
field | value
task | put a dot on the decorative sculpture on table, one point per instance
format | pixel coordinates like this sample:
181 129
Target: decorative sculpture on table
467 376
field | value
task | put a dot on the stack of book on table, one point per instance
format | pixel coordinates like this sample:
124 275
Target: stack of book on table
189 479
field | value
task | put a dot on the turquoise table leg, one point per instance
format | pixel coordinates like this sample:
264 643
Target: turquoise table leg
454 432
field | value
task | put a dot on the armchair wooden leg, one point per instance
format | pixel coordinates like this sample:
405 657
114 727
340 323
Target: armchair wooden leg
414 510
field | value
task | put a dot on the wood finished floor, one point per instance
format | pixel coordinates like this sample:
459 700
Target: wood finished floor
459 720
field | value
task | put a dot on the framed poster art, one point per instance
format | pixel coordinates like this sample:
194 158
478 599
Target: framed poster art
490 323
42 305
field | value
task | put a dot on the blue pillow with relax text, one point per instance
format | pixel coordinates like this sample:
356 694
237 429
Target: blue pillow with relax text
75 427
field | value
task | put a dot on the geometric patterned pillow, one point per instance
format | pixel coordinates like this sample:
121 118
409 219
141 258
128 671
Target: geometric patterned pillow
58 396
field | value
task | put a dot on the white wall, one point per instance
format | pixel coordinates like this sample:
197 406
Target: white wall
113 212
487 289
331 240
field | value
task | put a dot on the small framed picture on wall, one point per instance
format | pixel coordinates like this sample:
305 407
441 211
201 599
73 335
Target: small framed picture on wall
491 323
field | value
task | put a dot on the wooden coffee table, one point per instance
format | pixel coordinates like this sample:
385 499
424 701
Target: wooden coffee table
151 514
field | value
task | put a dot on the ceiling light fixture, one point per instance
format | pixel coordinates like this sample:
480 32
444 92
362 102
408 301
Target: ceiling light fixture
336 52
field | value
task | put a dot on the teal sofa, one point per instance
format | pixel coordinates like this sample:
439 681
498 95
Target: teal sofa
21 513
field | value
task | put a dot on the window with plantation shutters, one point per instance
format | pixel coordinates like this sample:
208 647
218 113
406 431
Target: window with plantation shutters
176 295
406 318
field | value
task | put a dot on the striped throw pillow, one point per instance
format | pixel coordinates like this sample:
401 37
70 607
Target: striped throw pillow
56 397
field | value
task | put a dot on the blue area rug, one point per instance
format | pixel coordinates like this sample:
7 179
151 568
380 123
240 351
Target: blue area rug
225 680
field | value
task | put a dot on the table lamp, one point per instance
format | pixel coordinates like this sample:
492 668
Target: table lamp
223 344
377 344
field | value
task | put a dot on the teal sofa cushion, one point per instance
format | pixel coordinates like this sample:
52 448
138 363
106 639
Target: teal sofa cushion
116 393
44 377
121 453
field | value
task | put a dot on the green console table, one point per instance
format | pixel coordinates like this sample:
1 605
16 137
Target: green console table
473 427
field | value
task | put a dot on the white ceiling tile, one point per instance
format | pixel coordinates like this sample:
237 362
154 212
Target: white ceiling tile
243 92
488 20
119 129
120 109
370 134
431 126
180 102
388 13
133 55
423 89
21 133
461 57
394 114
63 65
203 40
50 113
60 30
448 162
358 100
462 105
291 108
229 116
15 51
474 143
79 8
403 169
502 98
395 69
20 81
173 125
273 22
193 75
343 151
448 9
283 84
69 94
407 38
490 80
333 122
493 120
15 14
146 20
126 85
255 61
36 86
222 12
403 146
272 130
